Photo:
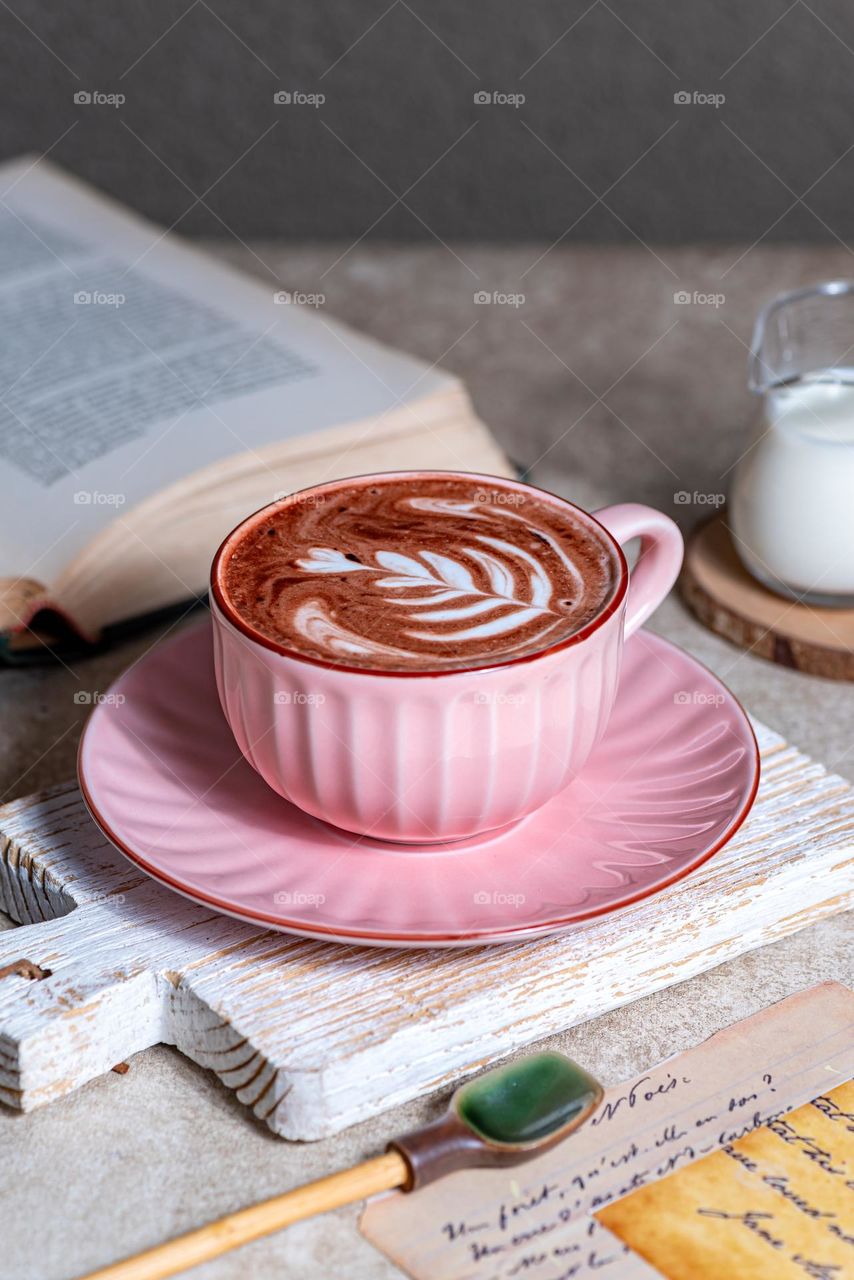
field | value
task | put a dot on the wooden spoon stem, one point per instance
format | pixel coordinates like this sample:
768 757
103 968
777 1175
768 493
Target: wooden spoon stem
383 1173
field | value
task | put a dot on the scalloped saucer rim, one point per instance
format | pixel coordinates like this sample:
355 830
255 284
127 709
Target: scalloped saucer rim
158 743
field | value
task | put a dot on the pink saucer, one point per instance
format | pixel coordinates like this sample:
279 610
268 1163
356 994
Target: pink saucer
672 780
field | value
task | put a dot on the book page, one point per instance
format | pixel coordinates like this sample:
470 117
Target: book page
587 1208
160 551
131 360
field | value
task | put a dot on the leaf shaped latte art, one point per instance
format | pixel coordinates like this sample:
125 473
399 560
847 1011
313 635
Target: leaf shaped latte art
440 591
409 572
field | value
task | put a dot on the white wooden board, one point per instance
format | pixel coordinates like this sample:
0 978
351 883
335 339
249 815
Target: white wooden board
315 1036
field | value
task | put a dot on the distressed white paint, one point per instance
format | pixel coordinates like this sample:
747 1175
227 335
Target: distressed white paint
316 1036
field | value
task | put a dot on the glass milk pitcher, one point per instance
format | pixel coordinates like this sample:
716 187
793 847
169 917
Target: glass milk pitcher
792 501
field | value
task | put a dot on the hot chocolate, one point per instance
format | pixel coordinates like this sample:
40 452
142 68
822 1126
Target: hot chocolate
419 572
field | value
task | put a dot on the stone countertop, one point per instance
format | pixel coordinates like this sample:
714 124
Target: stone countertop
606 386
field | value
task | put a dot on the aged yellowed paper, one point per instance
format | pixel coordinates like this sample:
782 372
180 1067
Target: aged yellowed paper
536 1221
777 1204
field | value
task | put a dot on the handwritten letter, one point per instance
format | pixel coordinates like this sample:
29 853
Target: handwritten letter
696 1112
778 1203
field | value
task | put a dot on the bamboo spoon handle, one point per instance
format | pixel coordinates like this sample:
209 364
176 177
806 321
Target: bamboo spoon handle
489 1123
383 1173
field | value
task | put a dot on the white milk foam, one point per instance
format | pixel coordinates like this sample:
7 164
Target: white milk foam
452 596
431 573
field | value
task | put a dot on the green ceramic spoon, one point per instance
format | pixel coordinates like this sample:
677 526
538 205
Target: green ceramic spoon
504 1117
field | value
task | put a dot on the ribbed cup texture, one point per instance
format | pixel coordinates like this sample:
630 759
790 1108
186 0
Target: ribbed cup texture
418 758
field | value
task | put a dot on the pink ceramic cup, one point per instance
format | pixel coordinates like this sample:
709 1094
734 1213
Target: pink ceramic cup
419 756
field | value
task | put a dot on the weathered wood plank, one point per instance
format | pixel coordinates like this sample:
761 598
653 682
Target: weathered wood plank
315 1036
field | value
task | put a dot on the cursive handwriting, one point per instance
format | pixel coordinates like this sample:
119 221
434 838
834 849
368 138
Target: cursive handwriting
637 1094
834 1112
752 1219
806 1145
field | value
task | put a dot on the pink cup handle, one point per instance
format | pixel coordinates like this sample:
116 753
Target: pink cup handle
660 556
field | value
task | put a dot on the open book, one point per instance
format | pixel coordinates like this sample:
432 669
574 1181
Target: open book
152 397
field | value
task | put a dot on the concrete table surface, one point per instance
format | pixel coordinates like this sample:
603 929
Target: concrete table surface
608 386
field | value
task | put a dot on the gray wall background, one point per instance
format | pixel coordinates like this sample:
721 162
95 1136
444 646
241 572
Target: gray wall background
399 79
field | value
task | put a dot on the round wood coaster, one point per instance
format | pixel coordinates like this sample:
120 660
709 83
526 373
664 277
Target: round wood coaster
724 596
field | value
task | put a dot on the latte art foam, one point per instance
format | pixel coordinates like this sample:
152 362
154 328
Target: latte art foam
431 572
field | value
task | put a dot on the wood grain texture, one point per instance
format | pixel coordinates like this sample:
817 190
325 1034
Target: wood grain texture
315 1036
719 590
